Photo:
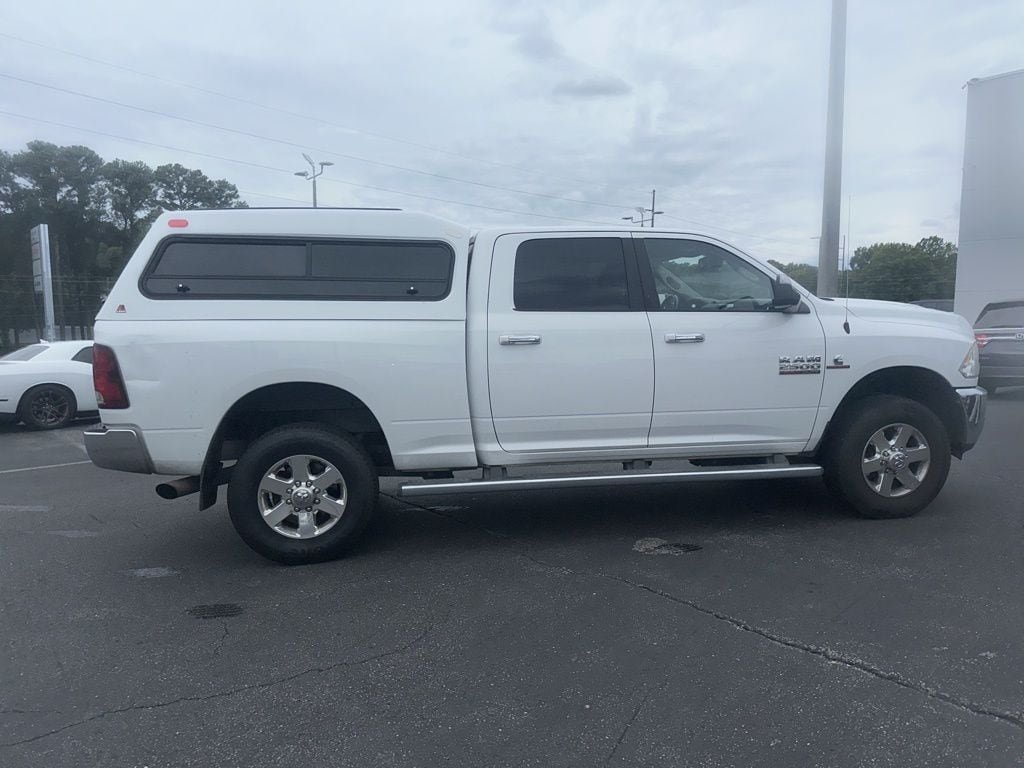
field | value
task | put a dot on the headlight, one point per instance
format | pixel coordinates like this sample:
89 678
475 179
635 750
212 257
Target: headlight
971 365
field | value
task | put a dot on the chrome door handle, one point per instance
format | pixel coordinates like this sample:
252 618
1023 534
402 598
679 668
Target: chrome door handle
684 338
516 340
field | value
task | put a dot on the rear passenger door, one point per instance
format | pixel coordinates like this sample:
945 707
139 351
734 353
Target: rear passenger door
570 363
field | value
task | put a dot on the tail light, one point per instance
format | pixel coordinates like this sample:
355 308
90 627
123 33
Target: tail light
106 378
981 338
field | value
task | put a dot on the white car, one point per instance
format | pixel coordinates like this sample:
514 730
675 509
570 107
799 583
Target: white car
46 385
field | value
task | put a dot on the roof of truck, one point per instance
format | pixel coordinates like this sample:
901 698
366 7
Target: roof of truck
356 222
328 222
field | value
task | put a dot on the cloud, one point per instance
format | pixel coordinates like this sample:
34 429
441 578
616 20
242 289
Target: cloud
595 87
537 42
719 106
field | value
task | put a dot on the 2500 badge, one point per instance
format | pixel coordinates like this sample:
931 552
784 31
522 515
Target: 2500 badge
799 364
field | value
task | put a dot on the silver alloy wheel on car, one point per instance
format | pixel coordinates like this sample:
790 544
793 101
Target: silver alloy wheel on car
302 496
895 460
49 407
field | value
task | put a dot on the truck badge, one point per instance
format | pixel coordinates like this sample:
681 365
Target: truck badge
837 362
799 364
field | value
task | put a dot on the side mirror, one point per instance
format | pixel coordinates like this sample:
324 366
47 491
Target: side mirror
784 296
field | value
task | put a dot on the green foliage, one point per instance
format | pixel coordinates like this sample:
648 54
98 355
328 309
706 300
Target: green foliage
804 274
891 271
183 189
97 213
903 272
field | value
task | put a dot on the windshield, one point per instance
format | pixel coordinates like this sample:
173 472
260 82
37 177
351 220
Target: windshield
25 353
1002 316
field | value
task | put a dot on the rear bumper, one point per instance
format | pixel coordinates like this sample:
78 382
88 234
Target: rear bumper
973 400
119 447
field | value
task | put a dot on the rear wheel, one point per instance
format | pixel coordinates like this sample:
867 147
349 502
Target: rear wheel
48 406
889 457
302 494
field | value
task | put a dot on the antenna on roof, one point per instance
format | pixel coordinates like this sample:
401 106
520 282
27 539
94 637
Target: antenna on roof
846 272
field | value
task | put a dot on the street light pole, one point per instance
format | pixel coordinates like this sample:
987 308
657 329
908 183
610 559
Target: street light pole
643 213
313 173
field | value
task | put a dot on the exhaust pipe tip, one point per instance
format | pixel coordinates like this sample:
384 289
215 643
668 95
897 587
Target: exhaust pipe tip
175 489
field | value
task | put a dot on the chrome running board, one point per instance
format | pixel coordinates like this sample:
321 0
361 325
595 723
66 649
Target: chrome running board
756 472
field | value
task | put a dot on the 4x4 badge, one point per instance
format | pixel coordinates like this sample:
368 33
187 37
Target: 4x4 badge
837 362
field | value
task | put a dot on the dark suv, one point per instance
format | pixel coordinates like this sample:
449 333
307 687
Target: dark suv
1000 334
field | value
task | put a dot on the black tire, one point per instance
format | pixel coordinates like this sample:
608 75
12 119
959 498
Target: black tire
339 449
48 406
848 447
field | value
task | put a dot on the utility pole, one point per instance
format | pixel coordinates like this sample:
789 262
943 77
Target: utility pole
643 211
828 246
313 173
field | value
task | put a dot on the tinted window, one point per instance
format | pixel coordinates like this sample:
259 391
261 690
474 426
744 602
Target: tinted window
571 274
1009 315
84 356
25 353
372 270
382 270
691 276
213 259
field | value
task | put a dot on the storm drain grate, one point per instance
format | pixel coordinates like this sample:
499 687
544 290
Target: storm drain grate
215 610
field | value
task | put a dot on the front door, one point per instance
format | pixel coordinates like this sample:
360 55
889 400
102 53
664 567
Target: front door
570 364
731 372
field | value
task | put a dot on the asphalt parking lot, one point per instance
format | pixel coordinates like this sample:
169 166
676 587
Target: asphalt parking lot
705 625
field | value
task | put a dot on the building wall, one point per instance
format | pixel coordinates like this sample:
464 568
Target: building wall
990 263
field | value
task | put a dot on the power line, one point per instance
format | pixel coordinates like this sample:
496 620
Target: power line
300 115
356 158
296 145
285 170
731 231
391 166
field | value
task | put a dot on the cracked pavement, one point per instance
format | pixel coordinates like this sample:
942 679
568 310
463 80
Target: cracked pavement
517 629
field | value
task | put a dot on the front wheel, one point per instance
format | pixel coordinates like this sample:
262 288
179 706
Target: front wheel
888 457
302 494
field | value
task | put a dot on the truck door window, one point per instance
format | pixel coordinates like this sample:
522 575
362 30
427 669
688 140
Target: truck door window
571 274
693 276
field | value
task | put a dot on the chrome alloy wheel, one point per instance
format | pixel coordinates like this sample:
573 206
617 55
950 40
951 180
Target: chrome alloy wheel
302 497
895 460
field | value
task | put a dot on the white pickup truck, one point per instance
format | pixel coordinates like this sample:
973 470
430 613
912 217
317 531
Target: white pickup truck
297 355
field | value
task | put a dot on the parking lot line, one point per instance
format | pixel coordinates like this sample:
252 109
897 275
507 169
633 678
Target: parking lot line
44 466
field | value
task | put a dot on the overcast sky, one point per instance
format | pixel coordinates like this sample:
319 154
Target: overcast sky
719 104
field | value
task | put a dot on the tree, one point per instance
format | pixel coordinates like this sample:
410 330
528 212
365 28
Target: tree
97 212
805 274
182 189
130 195
904 272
